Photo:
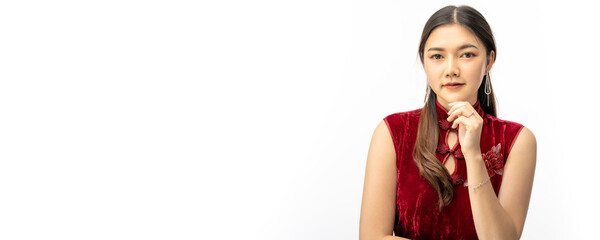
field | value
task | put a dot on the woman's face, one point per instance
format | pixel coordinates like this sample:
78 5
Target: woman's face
453 54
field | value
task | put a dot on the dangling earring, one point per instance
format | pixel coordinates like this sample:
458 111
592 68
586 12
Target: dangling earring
488 87
427 93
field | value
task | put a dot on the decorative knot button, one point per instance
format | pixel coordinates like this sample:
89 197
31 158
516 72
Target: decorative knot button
443 149
444 124
457 179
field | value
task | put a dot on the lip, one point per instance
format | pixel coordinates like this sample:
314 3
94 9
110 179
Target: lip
454 86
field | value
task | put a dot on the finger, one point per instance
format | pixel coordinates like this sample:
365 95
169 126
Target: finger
455 106
460 110
450 112
465 122
456 122
471 121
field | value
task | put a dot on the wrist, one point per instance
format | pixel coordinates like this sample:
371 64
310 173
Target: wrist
473 155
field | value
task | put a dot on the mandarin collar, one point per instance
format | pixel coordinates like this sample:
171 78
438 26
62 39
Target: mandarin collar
442 114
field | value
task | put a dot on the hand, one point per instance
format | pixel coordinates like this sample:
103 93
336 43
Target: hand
469 128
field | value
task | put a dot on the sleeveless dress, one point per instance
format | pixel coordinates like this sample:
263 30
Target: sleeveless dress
417 216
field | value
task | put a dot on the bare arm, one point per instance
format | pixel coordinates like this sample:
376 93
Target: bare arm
379 192
503 217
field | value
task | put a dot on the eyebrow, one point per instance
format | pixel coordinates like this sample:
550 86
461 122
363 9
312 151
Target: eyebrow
460 48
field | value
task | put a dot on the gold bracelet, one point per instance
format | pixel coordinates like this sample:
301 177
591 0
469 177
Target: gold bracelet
487 180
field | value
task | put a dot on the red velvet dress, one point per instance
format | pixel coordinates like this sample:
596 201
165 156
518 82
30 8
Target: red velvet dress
417 216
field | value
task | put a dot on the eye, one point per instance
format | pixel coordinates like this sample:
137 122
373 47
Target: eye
436 57
468 55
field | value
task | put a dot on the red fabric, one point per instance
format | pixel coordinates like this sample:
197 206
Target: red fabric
417 216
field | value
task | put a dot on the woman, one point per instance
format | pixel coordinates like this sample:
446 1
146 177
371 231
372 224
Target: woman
452 169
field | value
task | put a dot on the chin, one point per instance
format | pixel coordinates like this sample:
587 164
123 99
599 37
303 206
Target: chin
454 99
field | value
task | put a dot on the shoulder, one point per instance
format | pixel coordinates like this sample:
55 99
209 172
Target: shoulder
523 153
520 137
394 124
525 141
398 121
509 132
506 125
402 116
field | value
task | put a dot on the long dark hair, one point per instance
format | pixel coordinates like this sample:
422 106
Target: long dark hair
424 152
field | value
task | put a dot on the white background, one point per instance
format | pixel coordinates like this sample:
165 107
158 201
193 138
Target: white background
252 119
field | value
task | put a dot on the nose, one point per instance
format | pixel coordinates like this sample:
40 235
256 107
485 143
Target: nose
452 69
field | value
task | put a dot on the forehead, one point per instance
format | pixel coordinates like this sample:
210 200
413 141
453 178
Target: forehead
451 36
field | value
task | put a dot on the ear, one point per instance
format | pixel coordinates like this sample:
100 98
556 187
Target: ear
490 60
